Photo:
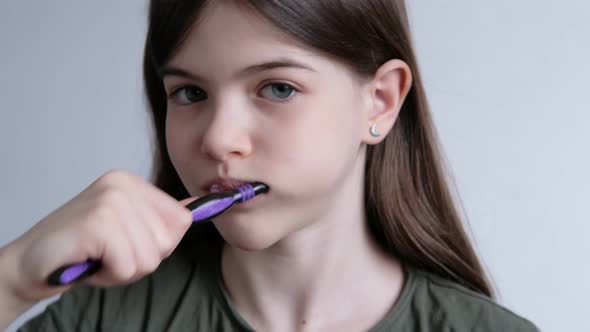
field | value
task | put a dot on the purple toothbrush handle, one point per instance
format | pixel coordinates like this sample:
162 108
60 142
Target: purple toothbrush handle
212 209
70 273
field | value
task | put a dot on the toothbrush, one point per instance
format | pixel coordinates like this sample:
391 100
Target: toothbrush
203 209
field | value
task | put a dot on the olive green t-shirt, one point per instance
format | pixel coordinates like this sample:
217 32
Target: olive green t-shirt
186 293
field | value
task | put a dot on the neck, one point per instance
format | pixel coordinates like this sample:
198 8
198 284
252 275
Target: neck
331 275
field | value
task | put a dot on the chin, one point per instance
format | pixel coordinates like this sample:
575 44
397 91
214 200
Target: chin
246 235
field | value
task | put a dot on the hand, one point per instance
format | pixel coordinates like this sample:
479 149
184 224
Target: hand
120 219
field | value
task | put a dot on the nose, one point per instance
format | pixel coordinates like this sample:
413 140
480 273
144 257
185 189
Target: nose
227 135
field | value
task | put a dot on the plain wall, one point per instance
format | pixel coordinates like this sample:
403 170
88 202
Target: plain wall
507 82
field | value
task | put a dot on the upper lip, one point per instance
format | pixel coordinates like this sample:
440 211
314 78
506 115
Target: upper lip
226 183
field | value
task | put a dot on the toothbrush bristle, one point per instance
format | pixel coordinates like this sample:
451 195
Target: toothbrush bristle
251 190
247 192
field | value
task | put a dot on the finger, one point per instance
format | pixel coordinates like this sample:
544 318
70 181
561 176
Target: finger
187 201
143 241
168 207
118 261
115 242
163 238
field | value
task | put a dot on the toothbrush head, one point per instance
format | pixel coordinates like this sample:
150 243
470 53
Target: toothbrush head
248 191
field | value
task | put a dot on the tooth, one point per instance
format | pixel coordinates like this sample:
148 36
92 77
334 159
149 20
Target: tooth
216 188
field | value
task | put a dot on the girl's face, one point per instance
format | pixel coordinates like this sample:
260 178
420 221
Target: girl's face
250 103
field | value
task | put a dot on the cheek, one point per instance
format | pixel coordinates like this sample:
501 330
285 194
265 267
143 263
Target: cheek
173 137
315 150
178 141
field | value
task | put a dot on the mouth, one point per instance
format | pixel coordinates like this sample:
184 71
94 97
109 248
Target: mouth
222 184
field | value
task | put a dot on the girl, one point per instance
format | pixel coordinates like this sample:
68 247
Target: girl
323 102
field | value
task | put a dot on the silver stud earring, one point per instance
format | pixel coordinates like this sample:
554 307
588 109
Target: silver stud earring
374 131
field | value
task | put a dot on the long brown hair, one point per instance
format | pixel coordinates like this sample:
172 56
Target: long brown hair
409 206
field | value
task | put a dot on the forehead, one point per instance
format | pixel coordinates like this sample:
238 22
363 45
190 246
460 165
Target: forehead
228 36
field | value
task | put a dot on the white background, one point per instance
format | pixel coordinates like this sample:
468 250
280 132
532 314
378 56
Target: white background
508 86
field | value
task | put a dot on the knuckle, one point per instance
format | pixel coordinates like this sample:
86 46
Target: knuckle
166 246
169 252
149 264
112 197
125 272
153 263
102 212
114 176
106 209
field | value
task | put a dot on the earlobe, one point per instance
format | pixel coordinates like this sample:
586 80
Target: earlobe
388 90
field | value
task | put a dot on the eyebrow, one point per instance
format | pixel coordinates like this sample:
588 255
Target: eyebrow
250 70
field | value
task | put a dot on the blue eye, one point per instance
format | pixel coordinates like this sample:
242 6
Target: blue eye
278 91
188 95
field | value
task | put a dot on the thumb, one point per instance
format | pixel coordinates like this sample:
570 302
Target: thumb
188 200
185 202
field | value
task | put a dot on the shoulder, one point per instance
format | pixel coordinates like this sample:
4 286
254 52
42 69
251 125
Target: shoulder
450 305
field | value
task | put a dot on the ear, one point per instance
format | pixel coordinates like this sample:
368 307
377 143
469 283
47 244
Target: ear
386 94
